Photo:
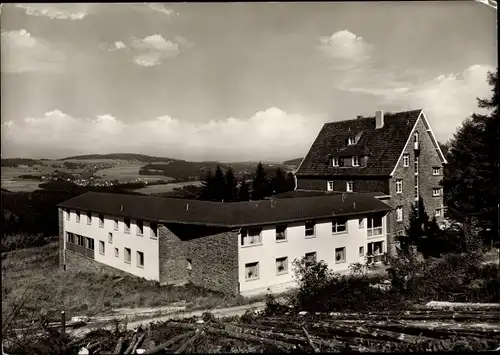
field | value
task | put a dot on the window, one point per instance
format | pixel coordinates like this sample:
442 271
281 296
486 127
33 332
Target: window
110 238
101 221
89 218
400 233
310 229
189 264
361 251
399 213
415 165
252 271
140 259
69 237
89 243
281 233
375 251
406 160
438 212
355 161
127 225
117 253
351 140
349 186
416 192
310 258
335 161
154 230
281 265
374 226
436 192
77 216
339 255
415 140
140 228
116 225
101 247
251 236
339 226
361 223
80 241
399 186
67 214
128 255
329 185
436 171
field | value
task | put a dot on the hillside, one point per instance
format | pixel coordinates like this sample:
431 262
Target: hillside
120 156
294 162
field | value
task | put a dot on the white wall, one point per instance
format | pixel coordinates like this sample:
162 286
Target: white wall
121 240
296 245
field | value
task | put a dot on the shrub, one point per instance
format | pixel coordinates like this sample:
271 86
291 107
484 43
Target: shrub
23 241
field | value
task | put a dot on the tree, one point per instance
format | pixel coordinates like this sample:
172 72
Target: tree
471 179
230 188
219 185
207 187
261 184
243 192
279 182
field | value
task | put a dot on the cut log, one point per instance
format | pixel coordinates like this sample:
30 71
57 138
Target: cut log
235 335
309 340
189 342
170 342
131 345
138 343
119 345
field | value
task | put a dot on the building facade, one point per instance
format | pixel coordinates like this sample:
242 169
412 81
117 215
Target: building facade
245 248
395 155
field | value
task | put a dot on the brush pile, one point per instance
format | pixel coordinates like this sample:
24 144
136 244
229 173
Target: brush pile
390 331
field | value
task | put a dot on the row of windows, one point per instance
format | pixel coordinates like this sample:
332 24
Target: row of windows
139 224
339 162
399 213
406 163
253 236
437 191
252 272
89 244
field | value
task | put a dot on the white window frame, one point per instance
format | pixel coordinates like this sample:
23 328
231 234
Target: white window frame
127 251
436 171
361 251
374 231
335 161
138 255
399 213
438 212
351 140
102 247
139 226
251 239
116 225
313 235
361 223
329 185
249 277
355 160
77 216
153 227
117 253
101 221
283 261
110 237
68 214
399 186
284 233
406 160
335 226
349 186
89 218
189 264
126 228
436 192
341 249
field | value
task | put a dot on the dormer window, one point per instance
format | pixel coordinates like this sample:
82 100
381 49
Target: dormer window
355 161
335 161
351 140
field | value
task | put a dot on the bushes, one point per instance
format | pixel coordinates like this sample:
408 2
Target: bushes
23 241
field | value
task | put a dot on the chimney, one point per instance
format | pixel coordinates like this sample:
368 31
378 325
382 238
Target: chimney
379 119
121 208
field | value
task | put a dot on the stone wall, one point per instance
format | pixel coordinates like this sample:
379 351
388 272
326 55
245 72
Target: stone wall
78 262
61 238
211 252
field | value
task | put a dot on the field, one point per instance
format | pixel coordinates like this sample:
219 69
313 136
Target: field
35 271
127 171
8 182
155 189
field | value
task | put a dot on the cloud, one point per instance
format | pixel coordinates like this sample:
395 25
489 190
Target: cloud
347 48
22 52
283 134
151 50
55 11
161 9
113 47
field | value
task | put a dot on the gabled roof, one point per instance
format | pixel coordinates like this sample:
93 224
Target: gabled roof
384 145
230 215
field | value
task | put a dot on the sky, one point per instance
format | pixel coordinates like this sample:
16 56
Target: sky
231 81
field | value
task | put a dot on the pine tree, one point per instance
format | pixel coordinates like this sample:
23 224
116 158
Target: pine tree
207 187
243 192
230 191
279 182
261 185
219 185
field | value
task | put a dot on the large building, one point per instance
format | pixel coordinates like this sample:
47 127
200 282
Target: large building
241 247
392 154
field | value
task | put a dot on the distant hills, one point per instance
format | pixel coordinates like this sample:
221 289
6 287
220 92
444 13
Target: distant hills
294 162
121 156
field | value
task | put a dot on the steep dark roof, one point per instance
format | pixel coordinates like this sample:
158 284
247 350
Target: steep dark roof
231 215
309 193
384 145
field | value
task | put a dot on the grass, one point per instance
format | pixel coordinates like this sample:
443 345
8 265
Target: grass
89 294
